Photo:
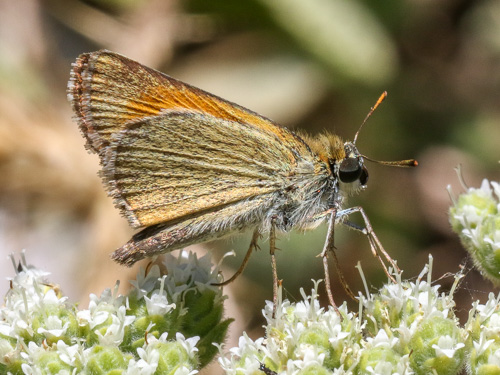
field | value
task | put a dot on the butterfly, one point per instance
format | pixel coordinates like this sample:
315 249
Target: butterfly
188 167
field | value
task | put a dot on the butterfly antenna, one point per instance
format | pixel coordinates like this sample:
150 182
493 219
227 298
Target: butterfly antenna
397 163
372 109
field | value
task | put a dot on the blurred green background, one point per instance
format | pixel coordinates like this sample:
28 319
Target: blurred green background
309 65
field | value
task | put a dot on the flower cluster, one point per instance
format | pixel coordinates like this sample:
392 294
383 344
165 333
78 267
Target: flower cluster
170 321
414 329
475 216
406 328
155 329
301 337
484 328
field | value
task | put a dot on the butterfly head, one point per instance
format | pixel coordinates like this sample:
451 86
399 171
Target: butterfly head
351 171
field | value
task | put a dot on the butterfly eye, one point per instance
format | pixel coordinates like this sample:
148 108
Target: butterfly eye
351 169
363 178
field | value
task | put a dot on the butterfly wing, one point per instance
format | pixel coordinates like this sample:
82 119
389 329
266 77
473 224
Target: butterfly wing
178 164
171 151
108 91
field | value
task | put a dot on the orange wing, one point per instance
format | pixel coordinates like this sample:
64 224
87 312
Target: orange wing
170 150
108 90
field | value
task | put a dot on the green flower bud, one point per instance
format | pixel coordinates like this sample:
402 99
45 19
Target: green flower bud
437 347
314 369
173 355
475 217
382 359
103 360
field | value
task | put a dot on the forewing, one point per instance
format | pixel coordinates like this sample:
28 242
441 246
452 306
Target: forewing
108 91
183 163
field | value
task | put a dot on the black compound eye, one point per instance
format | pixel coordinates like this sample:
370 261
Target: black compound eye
363 179
350 170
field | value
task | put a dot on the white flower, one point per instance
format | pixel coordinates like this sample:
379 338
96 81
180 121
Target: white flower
183 370
247 346
446 346
116 330
158 303
388 368
145 283
395 295
101 308
187 271
32 355
483 344
6 350
6 325
489 308
382 368
69 354
92 317
54 327
188 344
494 240
485 188
147 363
308 356
469 216
493 325
381 340
336 336
31 370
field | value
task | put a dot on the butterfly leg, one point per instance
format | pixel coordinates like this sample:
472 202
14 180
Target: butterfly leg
272 250
375 244
329 247
340 274
253 245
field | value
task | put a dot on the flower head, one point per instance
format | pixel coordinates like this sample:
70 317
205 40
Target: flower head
475 217
149 331
405 328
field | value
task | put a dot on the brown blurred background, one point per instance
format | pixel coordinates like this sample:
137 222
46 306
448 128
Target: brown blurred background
313 65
